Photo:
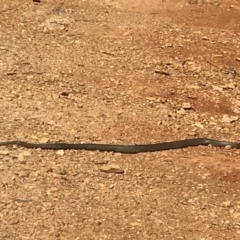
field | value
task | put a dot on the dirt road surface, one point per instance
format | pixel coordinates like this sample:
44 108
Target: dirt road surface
127 72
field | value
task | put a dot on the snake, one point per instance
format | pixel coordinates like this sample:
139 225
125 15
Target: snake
127 149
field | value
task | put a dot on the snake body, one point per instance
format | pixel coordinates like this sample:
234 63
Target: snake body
128 149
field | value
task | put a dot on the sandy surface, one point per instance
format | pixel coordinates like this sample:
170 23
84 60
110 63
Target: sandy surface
123 72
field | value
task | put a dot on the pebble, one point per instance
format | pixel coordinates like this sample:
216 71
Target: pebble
186 106
60 152
26 153
162 72
181 112
4 152
112 168
229 119
101 161
13 220
237 102
227 203
43 140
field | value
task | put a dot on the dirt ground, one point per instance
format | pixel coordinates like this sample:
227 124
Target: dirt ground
128 72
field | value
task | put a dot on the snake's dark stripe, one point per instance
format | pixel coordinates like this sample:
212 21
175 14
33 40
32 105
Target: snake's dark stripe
126 148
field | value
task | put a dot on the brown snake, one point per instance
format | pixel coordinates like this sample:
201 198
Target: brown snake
128 149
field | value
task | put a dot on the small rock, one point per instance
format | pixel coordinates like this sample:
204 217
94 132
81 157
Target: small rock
228 147
20 158
151 98
60 152
101 161
192 133
55 23
218 88
229 119
26 153
192 97
186 106
4 152
43 140
52 190
227 204
162 72
229 86
217 56
47 205
51 122
112 168
20 200
237 102
13 220
65 94
181 112
163 100
169 45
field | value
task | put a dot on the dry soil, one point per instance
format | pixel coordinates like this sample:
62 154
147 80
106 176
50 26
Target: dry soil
123 72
